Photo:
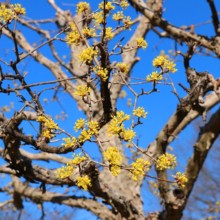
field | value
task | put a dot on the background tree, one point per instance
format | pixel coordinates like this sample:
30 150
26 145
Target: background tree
93 56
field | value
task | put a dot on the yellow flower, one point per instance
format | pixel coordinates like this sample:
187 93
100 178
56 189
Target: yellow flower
102 73
159 61
47 134
84 182
141 43
87 55
82 6
108 33
116 127
50 124
82 91
180 179
139 112
113 156
123 67
127 23
119 16
154 76
121 117
6 14
124 4
128 135
79 124
73 37
88 32
77 159
98 18
84 136
72 26
170 66
64 172
166 161
69 143
108 7
139 169
93 127
18 9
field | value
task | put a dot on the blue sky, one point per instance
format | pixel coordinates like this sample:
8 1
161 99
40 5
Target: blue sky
160 106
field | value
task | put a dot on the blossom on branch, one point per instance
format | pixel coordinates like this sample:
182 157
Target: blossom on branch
122 67
108 7
84 182
141 43
82 91
87 55
69 142
154 76
140 112
180 178
119 16
127 22
139 169
79 124
82 6
101 72
113 156
166 161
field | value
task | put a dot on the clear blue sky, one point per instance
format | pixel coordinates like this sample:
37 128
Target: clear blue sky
160 106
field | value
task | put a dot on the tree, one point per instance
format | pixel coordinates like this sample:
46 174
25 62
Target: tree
94 77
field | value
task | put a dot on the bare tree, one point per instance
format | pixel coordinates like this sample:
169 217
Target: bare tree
95 83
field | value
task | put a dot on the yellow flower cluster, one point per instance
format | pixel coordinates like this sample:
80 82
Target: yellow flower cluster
87 55
50 126
161 61
79 124
119 16
98 18
140 112
117 128
124 4
127 22
154 76
93 128
73 37
141 43
166 161
108 33
68 142
108 7
123 67
127 135
84 182
88 32
82 6
67 170
76 159
101 72
113 156
18 10
180 179
139 169
7 14
82 91
64 172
